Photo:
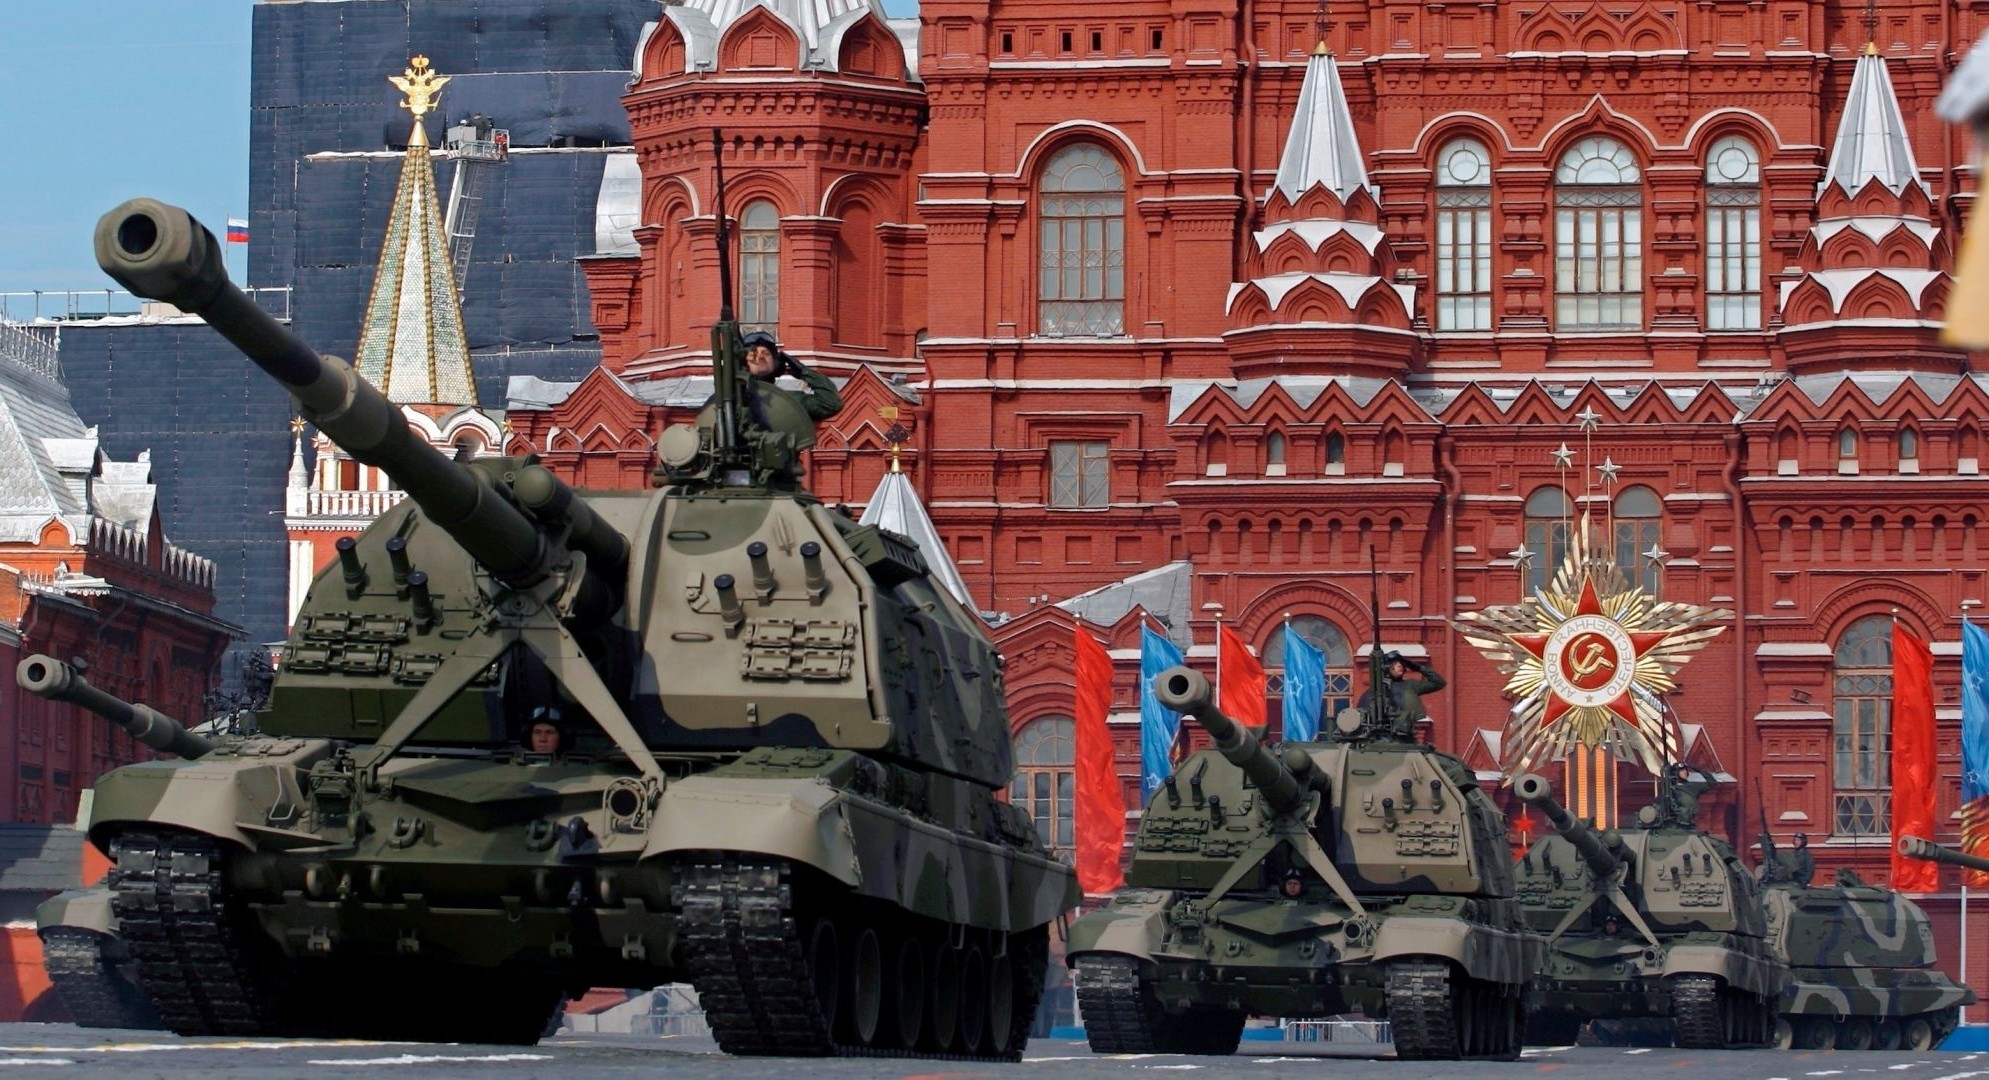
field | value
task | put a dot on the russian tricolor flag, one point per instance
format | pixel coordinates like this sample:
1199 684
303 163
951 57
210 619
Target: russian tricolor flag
238 230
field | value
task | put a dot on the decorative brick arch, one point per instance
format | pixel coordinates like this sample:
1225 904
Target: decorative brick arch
670 200
759 39
1440 131
868 48
1057 136
1330 602
665 54
1855 601
1742 123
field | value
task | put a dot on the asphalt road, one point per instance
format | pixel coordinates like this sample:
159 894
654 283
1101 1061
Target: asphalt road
59 1050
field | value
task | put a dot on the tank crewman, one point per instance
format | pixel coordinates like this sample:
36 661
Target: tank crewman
1405 693
766 362
543 734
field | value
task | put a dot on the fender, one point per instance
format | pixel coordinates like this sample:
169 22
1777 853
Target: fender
226 798
1482 953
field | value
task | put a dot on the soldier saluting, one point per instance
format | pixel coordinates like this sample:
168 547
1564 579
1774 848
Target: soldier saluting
1405 694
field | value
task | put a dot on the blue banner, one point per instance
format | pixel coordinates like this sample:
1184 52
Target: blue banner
1974 712
1158 726
1305 687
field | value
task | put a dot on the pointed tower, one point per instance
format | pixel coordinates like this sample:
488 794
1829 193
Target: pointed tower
1319 298
895 506
411 346
1873 291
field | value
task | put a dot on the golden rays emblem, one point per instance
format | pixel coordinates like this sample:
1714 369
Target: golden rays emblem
1589 660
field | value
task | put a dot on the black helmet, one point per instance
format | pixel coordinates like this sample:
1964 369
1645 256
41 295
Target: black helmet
1391 657
759 337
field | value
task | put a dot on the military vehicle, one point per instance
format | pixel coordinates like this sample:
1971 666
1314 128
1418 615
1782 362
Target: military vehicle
1359 873
785 746
1659 920
1862 961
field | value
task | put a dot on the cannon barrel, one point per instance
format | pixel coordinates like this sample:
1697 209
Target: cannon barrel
158 251
1185 690
1914 847
45 676
1536 792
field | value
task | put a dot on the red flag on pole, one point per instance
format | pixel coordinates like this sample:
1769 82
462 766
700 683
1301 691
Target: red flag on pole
1240 686
1100 813
1912 756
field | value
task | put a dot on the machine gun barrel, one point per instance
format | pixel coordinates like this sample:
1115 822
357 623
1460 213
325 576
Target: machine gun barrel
1914 847
1536 792
1185 690
45 676
160 252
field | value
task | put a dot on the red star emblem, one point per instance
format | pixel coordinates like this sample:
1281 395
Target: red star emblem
1584 656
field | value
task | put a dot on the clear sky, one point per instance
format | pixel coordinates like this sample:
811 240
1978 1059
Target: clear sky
101 100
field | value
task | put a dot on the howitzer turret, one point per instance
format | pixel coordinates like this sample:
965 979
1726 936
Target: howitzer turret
1914 847
45 676
160 252
1601 856
1186 690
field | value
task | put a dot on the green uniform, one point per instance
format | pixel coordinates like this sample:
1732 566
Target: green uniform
1406 700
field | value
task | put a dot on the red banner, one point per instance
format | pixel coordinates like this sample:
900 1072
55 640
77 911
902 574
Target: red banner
1100 814
1912 757
1240 680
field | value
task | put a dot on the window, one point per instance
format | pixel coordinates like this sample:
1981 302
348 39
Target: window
1548 513
1078 474
1464 237
1909 451
1733 236
1863 690
1336 454
1598 238
1637 513
1328 639
1045 784
1274 454
1847 452
759 267
1082 204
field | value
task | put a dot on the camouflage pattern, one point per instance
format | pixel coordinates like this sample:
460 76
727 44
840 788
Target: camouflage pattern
1294 883
1863 963
764 704
88 967
1660 920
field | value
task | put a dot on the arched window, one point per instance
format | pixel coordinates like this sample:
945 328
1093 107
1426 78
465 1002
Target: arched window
759 267
1909 451
1637 514
1328 639
1464 237
1862 687
1274 454
1045 783
1733 236
1598 238
1548 513
1081 201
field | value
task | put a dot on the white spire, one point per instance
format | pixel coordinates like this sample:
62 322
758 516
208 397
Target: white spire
1871 138
1322 148
896 507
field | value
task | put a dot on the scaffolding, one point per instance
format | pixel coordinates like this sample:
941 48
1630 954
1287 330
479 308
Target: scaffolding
477 146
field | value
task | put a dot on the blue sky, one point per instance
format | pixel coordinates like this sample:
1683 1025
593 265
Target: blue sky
101 100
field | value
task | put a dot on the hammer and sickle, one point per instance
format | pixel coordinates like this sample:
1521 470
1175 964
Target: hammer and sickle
1591 660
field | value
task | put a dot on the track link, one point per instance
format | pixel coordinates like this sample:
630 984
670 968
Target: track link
88 982
1436 1015
174 916
740 936
1119 1018
1698 1013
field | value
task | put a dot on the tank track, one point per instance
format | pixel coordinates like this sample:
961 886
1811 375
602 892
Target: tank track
1703 1012
174 916
89 985
739 936
1121 1016
1426 1002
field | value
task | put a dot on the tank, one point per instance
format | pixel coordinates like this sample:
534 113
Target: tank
784 745
1861 958
1358 873
1658 921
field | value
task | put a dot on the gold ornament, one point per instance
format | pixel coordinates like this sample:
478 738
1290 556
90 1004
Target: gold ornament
421 86
1588 660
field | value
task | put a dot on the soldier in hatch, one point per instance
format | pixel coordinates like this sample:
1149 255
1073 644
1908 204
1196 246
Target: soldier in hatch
1408 681
766 363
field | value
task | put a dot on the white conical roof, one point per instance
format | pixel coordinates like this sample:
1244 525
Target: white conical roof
895 506
411 345
1321 148
1871 138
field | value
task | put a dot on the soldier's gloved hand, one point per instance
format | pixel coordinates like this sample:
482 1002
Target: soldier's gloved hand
788 365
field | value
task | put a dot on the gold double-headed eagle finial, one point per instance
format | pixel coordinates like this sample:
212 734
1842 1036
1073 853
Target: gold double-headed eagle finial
421 86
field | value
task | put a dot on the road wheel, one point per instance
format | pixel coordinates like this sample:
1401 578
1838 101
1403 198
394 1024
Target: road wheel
1886 1035
1815 1033
866 986
1854 1034
1785 1034
1919 1034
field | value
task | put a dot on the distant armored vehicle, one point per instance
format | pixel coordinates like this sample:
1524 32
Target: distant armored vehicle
780 781
1659 920
1358 873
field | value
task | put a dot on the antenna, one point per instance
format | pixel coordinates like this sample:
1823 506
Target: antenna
729 387
724 237
1377 675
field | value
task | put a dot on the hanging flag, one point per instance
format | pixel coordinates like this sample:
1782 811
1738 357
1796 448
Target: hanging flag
1974 747
1158 724
1100 813
1912 756
1305 688
1240 686
238 230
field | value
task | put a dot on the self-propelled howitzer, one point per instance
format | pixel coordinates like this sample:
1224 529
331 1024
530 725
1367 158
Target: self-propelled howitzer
47 677
783 749
1322 878
1657 921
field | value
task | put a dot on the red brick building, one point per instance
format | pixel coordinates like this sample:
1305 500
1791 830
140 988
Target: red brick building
1167 292
85 572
